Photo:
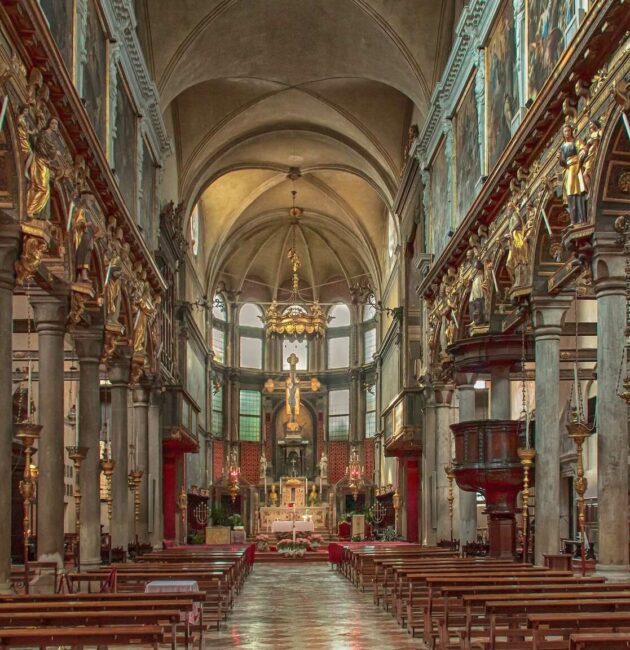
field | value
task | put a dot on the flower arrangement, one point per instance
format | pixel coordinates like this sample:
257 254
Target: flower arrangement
289 548
316 541
262 542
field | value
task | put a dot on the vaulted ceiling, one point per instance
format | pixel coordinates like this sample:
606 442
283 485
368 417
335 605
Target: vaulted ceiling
253 88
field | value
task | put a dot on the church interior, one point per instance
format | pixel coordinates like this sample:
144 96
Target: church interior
315 324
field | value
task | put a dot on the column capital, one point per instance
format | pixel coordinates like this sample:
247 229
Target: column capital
88 343
118 370
608 265
50 312
548 313
443 394
466 380
9 249
141 394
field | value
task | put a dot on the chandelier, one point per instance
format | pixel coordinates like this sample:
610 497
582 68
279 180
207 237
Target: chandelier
233 474
296 318
355 473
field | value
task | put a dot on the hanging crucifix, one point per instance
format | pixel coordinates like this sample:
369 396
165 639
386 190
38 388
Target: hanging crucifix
293 395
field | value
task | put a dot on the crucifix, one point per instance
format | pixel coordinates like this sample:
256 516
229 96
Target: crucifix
293 395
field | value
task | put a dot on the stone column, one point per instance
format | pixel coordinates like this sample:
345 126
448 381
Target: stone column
155 465
89 345
119 379
612 413
9 240
549 315
141 440
444 456
500 396
50 313
467 500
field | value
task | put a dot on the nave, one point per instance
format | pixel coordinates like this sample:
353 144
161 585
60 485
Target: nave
290 606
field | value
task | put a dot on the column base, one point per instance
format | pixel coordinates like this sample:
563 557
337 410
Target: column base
5 588
51 557
613 572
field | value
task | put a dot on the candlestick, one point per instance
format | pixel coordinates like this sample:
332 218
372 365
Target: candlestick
77 455
108 469
527 458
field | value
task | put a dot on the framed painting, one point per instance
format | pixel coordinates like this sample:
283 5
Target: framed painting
60 16
439 194
548 22
467 158
95 67
147 203
501 84
125 144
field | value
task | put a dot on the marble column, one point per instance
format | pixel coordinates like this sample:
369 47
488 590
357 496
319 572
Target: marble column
428 473
50 313
467 500
444 457
119 379
548 316
612 415
141 441
89 345
9 240
155 467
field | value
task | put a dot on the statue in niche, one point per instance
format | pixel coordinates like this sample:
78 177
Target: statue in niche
571 157
113 295
263 466
323 466
479 293
42 161
83 245
592 147
519 233
145 310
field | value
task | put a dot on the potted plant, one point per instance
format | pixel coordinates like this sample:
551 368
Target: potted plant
262 542
316 541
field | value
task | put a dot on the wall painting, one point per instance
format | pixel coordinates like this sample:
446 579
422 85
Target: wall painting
440 222
125 144
95 72
60 17
467 160
501 84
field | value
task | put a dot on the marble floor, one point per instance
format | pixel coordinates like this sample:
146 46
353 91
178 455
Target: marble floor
306 607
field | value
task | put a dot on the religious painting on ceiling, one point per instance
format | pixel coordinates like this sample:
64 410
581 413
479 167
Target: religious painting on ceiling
125 145
548 22
501 84
95 71
60 17
440 222
467 159
147 217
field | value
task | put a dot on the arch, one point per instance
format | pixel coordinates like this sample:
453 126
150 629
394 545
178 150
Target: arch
249 315
340 316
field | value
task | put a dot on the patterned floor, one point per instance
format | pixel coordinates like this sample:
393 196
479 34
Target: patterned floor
306 607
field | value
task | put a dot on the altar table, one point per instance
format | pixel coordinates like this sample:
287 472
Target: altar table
160 586
287 526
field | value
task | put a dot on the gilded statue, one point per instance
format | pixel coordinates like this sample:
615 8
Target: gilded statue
592 147
83 244
571 157
145 310
273 495
41 162
479 295
519 233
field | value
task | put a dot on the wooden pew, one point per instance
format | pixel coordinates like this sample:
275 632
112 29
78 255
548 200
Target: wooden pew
599 641
564 624
76 636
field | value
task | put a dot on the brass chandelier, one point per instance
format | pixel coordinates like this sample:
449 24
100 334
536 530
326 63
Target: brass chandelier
296 318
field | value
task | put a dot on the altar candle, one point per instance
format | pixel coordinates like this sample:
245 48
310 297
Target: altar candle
306 489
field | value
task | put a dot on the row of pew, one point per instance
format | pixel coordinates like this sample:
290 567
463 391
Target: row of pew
109 607
485 603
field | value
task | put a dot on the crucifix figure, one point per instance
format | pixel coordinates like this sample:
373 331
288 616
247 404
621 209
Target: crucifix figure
293 395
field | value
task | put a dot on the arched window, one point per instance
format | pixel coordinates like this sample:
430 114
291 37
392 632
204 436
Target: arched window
338 338
250 405
217 411
194 230
339 414
370 411
369 333
219 326
250 336
300 349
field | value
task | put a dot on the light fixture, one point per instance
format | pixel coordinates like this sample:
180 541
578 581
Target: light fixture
355 473
296 318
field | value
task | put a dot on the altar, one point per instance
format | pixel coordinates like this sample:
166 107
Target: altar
318 515
300 526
